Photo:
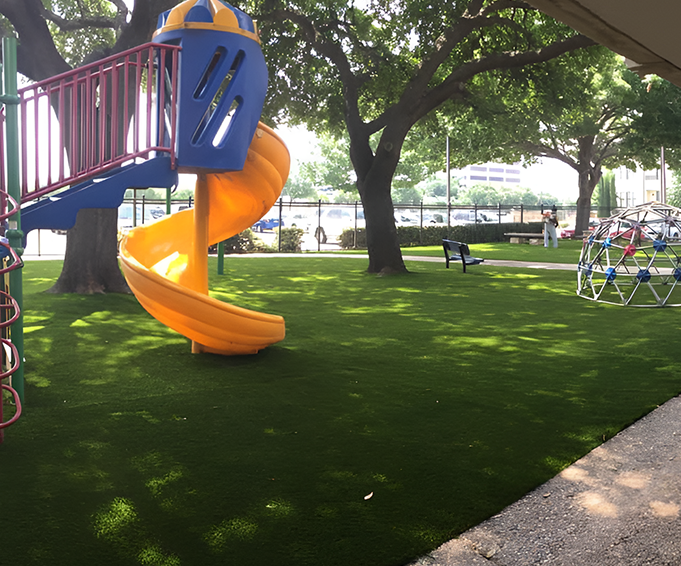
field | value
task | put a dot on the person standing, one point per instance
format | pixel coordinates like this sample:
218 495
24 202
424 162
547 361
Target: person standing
550 219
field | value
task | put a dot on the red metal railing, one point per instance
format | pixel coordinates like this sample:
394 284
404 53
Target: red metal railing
9 314
97 117
77 125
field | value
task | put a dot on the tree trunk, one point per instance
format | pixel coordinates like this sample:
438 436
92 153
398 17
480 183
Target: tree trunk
374 181
385 256
588 179
590 172
91 261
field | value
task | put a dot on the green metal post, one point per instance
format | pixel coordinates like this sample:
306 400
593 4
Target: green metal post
168 201
221 258
14 234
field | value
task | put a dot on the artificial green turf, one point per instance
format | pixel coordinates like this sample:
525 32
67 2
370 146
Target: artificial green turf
567 251
446 396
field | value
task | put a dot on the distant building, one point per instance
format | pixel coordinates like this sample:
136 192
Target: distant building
638 187
494 174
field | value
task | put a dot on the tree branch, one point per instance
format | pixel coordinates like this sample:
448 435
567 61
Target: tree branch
37 56
541 150
333 52
496 61
64 24
505 4
475 18
142 23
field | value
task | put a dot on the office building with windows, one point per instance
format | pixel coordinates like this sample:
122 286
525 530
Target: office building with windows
638 187
495 174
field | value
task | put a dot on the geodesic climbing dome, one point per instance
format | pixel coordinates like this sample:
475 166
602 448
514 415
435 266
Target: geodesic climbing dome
632 258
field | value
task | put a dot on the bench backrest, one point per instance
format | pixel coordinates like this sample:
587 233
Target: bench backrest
456 247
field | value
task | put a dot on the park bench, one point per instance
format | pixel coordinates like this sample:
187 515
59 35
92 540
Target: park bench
524 237
458 251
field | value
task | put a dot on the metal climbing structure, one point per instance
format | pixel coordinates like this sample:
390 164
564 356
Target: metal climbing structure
634 258
9 314
76 140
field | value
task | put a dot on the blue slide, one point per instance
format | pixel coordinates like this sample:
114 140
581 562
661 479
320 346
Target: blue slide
59 212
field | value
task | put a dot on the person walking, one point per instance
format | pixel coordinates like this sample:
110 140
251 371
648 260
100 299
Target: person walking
550 219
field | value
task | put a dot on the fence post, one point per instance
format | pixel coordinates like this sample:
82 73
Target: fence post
281 204
319 225
522 211
499 213
168 200
354 244
421 226
476 214
449 224
134 208
221 258
143 203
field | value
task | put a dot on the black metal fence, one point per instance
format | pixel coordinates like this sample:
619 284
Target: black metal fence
324 222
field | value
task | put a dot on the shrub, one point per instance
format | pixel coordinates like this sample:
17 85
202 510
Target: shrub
433 235
241 243
291 238
347 239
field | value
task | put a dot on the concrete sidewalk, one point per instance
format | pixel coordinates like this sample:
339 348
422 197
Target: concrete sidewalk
618 506
498 263
428 259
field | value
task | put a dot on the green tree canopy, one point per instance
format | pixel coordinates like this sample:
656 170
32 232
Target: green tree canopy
488 195
383 68
590 113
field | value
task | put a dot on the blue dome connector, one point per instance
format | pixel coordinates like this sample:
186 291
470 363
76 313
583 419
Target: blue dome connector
659 245
643 275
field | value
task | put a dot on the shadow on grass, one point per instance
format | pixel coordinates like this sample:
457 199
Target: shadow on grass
397 413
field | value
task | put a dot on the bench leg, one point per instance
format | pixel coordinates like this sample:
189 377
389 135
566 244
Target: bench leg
463 259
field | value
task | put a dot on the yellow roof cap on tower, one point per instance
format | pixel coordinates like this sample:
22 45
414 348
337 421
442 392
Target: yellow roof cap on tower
207 14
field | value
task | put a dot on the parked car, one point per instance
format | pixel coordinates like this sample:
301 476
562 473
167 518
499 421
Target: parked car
266 224
151 213
406 219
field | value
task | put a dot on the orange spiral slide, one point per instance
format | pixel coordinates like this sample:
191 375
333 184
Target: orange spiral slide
166 263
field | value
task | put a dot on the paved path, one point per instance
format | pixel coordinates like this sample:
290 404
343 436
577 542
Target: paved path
618 506
430 259
499 263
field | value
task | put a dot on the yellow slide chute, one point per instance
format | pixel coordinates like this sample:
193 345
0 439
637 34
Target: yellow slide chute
166 263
